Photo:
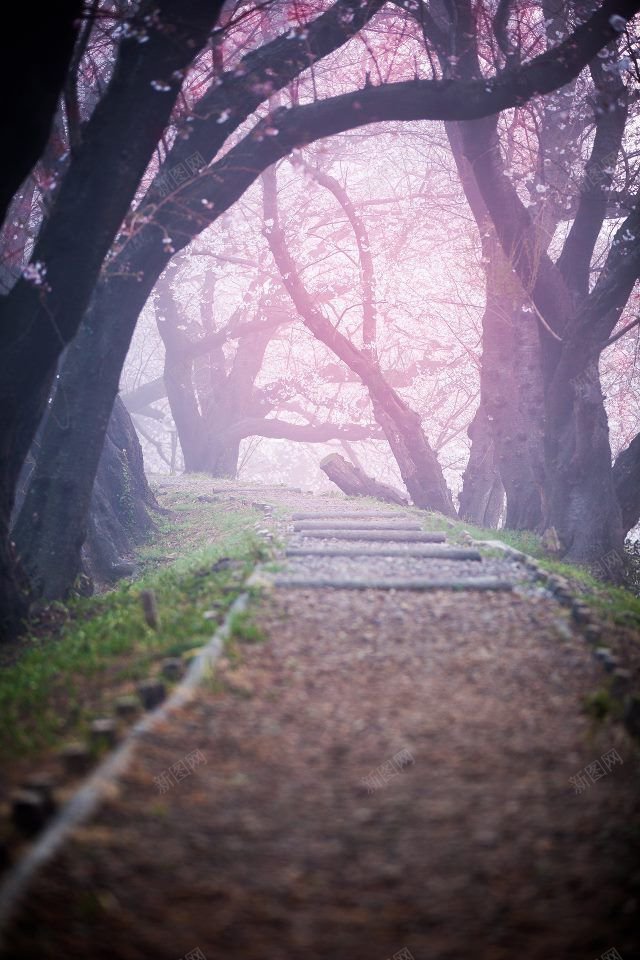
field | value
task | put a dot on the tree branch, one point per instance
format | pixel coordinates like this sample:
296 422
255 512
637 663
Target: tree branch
611 117
302 432
361 235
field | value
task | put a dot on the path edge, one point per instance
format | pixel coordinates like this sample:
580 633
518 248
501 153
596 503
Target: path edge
89 796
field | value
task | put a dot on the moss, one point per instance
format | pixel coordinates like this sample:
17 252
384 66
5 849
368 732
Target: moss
125 498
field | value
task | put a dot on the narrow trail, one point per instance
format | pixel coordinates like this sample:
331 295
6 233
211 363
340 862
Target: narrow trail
386 775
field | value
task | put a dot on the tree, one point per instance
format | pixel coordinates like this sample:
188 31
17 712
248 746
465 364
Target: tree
402 427
42 46
89 378
577 322
43 310
169 226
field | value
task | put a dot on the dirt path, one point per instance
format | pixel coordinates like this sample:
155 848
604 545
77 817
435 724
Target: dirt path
386 775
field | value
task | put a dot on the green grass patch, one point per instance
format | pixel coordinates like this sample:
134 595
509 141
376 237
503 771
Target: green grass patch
62 679
600 705
243 629
618 604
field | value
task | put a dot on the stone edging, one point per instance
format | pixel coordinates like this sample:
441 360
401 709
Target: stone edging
583 619
88 797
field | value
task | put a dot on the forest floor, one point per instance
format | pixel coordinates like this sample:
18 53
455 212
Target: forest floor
378 773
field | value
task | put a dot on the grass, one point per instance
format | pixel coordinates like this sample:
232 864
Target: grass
600 705
244 630
618 604
63 677
60 681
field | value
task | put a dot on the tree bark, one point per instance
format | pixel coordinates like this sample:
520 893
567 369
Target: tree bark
517 437
41 47
482 494
50 541
355 483
626 477
510 368
206 401
121 504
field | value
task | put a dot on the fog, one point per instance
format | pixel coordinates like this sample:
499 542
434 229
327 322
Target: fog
320 479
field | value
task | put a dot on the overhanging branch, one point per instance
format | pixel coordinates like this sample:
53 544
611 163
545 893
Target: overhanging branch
302 432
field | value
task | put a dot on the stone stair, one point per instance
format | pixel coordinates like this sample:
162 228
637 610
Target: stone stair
364 550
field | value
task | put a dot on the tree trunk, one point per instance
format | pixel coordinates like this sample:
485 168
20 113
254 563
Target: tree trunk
580 502
482 495
43 46
418 464
53 530
510 369
39 319
221 457
516 432
626 477
582 506
206 401
355 483
119 518
53 518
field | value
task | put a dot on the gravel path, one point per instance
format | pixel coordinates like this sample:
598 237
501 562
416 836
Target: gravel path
387 775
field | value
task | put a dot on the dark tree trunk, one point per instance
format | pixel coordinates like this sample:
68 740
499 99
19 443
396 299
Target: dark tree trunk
53 528
119 517
417 462
626 477
516 432
54 514
355 483
41 47
580 506
510 371
482 495
221 457
38 320
120 501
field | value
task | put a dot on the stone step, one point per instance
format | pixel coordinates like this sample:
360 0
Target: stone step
429 553
253 491
377 536
349 515
303 525
392 583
